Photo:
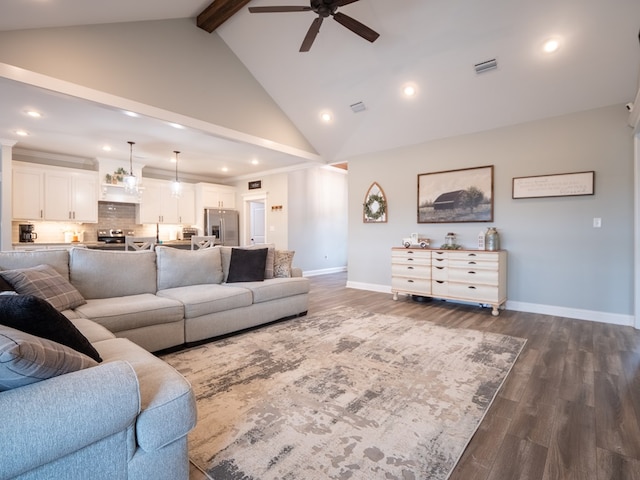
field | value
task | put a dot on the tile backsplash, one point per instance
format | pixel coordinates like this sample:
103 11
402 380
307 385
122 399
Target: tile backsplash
110 215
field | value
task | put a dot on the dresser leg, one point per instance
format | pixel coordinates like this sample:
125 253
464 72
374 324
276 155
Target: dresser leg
495 311
395 295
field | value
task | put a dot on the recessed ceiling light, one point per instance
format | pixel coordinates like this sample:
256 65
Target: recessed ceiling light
34 113
225 169
131 114
254 162
326 117
22 133
176 125
551 45
409 90
106 148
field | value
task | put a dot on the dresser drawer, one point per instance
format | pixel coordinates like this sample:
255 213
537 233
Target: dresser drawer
480 293
411 285
411 271
439 272
440 261
473 263
479 255
473 275
440 288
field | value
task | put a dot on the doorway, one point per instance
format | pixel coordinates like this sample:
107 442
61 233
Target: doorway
255 219
257 222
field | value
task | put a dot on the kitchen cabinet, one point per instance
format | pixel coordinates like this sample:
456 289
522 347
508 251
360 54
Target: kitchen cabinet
27 193
159 206
71 196
211 195
466 275
53 193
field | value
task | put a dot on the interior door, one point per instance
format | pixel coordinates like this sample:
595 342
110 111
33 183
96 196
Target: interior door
257 222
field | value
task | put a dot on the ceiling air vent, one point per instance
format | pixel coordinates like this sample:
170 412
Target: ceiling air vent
486 66
358 107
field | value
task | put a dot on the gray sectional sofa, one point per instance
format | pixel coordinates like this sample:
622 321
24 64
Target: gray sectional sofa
129 416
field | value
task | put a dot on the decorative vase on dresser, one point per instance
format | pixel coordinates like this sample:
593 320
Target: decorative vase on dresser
467 275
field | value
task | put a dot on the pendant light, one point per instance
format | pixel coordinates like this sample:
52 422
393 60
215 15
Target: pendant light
176 189
131 181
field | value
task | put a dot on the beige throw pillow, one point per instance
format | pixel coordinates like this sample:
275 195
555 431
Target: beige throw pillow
282 263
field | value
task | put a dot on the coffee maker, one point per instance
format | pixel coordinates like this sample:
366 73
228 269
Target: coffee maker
26 233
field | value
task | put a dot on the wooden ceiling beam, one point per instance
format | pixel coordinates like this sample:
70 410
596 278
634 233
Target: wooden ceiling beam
219 12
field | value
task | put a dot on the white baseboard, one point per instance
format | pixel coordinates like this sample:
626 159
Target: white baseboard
554 310
324 271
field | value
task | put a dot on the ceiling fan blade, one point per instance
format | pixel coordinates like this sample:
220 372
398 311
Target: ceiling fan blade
279 9
356 27
342 3
311 34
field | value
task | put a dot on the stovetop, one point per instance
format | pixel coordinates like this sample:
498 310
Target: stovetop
113 235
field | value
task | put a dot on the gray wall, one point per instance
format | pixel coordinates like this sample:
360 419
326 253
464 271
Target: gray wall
318 219
314 216
557 261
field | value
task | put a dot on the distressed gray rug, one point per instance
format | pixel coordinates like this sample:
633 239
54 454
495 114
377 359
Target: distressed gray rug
342 394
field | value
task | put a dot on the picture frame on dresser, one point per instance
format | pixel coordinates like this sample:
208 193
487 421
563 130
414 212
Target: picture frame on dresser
454 196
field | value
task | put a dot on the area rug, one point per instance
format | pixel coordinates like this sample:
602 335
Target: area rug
342 394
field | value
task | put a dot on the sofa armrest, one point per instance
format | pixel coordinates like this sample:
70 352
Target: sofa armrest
44 421
296 272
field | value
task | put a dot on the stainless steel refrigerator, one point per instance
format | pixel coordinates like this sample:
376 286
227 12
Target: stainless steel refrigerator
223 224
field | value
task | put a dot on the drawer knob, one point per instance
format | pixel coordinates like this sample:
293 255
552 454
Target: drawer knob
472 254
409 268
440 268
471 263
409 281
471 272
472 287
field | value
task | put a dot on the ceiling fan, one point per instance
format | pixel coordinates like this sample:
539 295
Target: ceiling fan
323 8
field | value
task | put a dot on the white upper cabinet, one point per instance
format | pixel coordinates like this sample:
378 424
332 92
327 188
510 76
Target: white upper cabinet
216 196
159 206
71 196
27 193
56 194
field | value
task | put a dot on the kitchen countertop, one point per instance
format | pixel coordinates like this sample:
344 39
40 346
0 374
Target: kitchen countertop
96 245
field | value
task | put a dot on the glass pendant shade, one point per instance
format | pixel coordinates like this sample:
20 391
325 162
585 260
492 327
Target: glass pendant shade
176 188
130 181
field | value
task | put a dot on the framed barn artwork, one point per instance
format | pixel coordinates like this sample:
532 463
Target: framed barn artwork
455 196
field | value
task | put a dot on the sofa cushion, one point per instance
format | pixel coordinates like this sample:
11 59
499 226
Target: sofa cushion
276 288
58 259
247 265
26 359
167 401
106 274
45 282
179 268
36 316
282 263
133 311
94 332
201 300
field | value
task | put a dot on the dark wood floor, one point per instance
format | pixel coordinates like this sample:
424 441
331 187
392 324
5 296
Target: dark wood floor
569 408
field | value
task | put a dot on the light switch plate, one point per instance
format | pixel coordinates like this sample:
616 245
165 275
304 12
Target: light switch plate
597 222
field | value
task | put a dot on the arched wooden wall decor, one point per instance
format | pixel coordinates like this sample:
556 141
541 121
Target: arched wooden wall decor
375 205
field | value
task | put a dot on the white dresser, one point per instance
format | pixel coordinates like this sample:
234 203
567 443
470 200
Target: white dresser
467 275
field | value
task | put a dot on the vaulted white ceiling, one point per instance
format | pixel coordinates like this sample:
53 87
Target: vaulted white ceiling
433 44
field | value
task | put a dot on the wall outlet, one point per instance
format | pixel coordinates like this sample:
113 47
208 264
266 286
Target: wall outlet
597 222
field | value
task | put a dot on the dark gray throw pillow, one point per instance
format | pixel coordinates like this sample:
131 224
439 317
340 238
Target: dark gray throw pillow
36 316
247 265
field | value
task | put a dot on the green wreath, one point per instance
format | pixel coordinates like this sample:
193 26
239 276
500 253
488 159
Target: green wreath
382 207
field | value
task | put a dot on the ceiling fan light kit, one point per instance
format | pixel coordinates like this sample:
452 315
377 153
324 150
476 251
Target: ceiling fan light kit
324 8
